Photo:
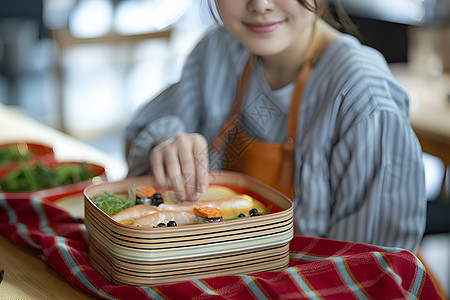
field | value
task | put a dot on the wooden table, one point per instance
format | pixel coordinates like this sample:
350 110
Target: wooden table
26 276
430 109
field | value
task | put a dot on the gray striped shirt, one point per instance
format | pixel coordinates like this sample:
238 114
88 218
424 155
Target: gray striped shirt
359 174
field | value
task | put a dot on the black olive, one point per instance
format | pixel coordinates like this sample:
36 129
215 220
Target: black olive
252 211
157 201
241 215
171 223
256 214
161 225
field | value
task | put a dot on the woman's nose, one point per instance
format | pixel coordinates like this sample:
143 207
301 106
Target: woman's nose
261 6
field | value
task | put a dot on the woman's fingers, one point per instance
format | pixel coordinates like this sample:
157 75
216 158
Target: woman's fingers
166 167
200 151
173 169
157 165
157 154
184 161
187 163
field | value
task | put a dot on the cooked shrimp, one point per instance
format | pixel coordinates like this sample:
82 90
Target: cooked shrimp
239 202
178 208
230 205
134 212
181 218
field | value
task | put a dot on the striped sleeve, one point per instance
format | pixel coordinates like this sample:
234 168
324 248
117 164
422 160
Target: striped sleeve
378 179
360 175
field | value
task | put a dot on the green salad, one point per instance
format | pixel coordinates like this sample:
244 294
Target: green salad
26 178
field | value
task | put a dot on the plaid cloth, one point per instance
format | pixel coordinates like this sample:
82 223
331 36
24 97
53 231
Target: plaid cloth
319 268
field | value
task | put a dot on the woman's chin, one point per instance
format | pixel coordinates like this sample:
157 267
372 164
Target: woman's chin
264 49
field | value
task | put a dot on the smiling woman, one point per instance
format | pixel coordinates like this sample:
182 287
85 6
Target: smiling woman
277 93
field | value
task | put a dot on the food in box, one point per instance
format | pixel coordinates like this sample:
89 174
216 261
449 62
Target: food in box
130 253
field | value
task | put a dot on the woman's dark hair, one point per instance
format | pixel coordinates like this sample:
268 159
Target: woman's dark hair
337 17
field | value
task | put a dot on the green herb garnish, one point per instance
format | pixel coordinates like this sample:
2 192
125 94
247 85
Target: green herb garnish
111 203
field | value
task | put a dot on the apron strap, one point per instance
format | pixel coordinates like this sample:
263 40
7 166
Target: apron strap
287 164
235 117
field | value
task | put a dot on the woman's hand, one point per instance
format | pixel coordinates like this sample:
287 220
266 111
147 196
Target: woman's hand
181 161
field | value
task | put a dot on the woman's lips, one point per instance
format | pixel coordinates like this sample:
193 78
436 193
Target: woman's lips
262 28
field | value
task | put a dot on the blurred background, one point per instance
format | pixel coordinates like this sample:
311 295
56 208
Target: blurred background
85 66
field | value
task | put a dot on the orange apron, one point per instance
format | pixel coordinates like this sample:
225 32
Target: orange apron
271 163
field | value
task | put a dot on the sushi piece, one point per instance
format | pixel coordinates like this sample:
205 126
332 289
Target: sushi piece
207 214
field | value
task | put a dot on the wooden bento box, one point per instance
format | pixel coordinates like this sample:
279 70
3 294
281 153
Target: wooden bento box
129 255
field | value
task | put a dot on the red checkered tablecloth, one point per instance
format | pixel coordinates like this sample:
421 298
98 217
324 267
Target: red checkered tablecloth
319 268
